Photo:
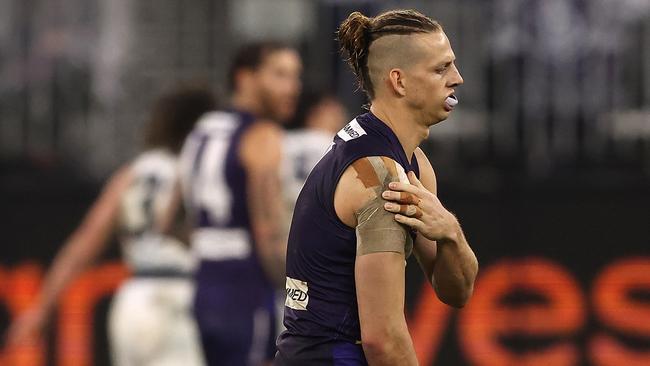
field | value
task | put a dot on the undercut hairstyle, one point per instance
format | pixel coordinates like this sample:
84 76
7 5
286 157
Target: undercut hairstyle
250 57
357 32
174 115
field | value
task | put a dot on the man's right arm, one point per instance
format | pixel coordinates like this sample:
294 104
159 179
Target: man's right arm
379 265
260 153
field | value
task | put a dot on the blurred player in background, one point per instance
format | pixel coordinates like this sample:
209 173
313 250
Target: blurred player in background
319 117
230 168
346 253
150 322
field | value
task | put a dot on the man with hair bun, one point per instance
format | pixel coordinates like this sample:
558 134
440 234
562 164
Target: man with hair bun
346 250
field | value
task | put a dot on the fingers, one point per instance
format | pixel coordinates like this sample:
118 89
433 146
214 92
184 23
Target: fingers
411 210
409 221
408 210
404 187
414 180
401 197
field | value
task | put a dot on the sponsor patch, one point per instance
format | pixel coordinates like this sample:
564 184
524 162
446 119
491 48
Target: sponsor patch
297 294
351 131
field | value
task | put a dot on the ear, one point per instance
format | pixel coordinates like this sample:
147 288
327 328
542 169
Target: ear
397 82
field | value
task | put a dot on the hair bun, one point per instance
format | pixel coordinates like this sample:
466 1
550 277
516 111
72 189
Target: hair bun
353 38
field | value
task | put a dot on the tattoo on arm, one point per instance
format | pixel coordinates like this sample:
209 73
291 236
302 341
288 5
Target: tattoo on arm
266 204
269 188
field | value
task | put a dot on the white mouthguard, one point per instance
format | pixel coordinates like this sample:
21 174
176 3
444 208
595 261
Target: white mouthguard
452 100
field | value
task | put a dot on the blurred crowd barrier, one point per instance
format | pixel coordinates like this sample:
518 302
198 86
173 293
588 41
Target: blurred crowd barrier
549 84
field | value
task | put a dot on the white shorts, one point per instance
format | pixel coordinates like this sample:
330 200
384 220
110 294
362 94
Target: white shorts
151 324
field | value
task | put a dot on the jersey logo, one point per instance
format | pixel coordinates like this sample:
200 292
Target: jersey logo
297 294
351 131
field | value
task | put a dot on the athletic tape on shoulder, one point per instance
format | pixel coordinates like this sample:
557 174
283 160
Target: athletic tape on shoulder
377 230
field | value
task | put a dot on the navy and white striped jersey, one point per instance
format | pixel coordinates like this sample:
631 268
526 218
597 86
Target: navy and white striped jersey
154 174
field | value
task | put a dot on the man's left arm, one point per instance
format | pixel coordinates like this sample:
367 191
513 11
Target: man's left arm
450 266
440 247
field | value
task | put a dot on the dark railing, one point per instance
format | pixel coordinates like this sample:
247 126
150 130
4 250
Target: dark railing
549 85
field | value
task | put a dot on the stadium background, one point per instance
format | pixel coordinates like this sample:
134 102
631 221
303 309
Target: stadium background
546 162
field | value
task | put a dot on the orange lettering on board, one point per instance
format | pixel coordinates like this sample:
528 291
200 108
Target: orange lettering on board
18 289
77 307
427 325
485 319
615 307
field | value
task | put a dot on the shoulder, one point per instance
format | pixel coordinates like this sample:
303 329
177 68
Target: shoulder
360 145
264 132
261 143
357 134
361 182
427 174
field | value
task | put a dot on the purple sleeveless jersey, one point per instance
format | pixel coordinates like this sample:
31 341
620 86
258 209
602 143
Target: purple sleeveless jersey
234 299
321 314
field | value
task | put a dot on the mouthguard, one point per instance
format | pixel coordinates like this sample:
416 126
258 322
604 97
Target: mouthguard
452 100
